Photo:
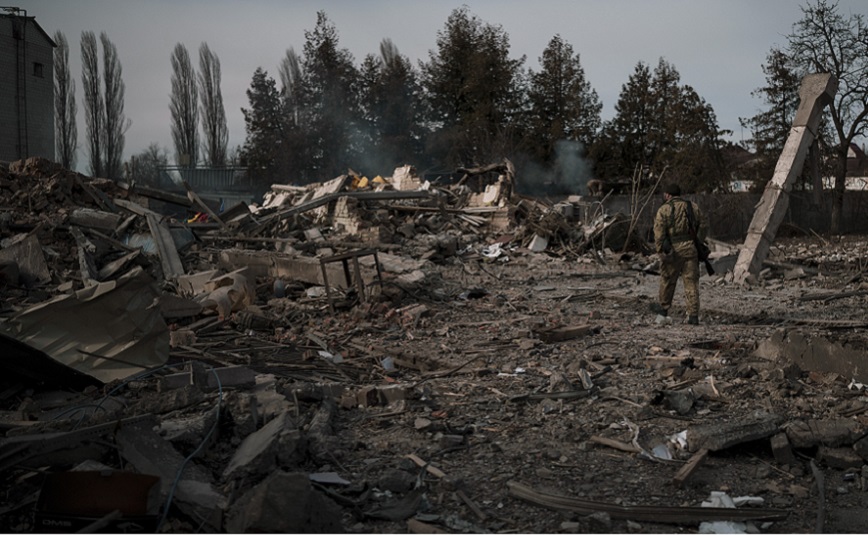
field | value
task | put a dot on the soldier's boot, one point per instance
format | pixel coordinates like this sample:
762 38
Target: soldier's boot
657 308
693 320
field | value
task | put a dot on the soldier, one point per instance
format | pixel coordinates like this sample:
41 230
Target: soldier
674 244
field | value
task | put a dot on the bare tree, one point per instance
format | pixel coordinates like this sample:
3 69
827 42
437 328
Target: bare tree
65 128
116 123
291 84
185 108
827 40
146 166
93 102
214 127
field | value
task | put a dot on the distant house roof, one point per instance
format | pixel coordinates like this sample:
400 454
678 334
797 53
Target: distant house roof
31 20
857 163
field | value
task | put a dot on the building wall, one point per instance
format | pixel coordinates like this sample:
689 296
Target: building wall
31 132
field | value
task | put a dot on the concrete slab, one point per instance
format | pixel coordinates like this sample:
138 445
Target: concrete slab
284 503
278 442
815 354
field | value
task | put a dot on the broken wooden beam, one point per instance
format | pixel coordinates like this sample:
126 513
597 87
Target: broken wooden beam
169 258
559 334
688 469
642 513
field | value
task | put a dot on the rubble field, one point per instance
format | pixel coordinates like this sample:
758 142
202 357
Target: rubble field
391 355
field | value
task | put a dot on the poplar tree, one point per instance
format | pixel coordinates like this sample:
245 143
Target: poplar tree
93 103
183 104
65 127
214 128
115 122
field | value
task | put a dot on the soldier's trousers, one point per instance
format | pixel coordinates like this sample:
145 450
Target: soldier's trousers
683 262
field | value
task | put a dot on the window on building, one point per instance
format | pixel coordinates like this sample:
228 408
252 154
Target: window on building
38 69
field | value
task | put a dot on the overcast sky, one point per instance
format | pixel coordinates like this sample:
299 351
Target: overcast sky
718 46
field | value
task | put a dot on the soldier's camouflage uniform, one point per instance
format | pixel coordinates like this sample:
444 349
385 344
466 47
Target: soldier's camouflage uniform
670 227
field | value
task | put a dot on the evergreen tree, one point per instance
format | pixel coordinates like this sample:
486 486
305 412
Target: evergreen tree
330 100
474 91
263 147
770 129
660 124
296 120
563 104
623 143
391 110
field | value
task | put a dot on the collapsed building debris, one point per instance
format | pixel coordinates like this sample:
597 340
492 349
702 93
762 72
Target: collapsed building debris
394 354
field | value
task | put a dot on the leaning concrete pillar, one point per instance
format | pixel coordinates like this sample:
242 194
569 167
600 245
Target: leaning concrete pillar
816 91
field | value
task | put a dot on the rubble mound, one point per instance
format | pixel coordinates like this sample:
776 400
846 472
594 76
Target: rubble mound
403 355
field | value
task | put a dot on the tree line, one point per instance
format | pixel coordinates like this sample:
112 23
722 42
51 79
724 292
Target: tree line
196 101
471 103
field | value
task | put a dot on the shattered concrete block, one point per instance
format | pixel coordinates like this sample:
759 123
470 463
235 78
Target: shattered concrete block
395 480
814 354
781 449
149 453
375 235
10 274
228 376
538 244
182 337
284 503
841 458
259 452
861 447
368 396
716 437
313 234
393 393
411 314
26 251
832 433
188 431
412 278
88 217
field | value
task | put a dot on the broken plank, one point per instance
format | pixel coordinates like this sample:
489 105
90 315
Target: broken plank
473 506
195 199
687 470
436 472
559 334
616 444
169 258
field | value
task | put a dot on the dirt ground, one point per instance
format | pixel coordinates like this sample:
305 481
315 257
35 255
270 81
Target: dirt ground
546 444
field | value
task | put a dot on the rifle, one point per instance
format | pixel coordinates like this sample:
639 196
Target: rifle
702 249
